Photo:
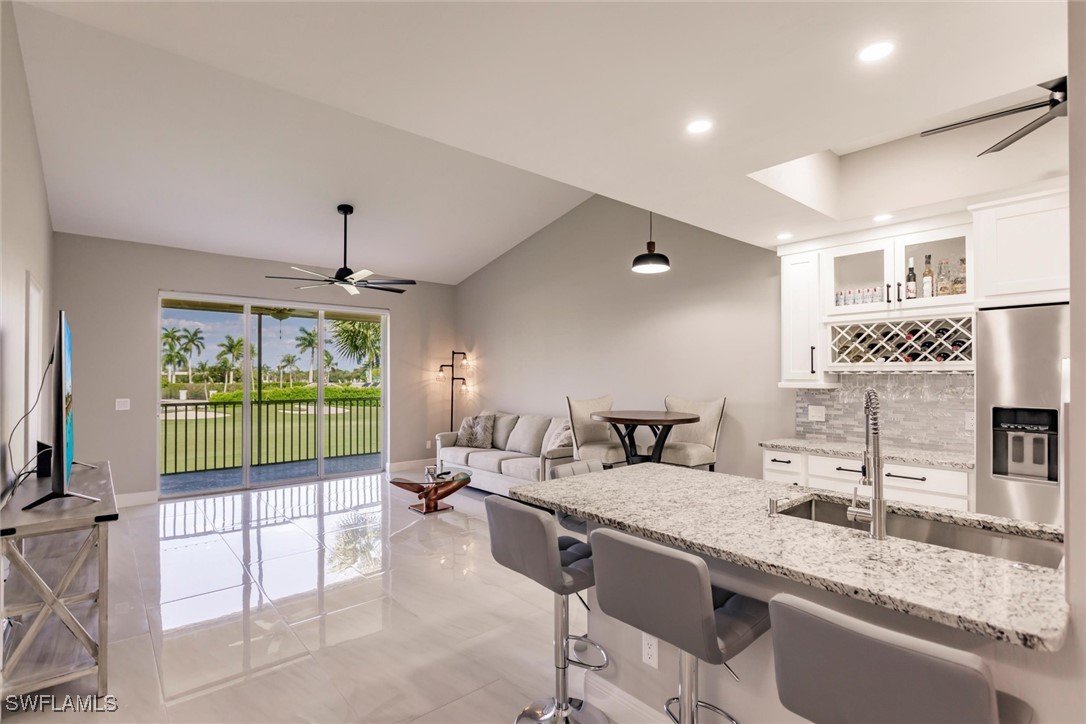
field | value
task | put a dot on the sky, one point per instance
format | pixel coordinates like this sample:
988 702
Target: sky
216 325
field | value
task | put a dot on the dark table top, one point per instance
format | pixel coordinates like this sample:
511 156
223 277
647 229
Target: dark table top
645 417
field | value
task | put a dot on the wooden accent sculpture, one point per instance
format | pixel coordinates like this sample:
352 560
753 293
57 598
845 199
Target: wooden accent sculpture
432 491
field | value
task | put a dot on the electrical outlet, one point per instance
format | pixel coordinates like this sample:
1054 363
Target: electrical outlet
122 403
650 650
428 443
971 422
816 413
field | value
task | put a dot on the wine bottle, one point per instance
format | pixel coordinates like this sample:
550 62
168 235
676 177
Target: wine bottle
929 278
957 285
943 281
910 281
942 356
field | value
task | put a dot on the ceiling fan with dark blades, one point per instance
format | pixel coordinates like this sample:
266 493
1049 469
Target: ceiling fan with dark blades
1056 103
345 277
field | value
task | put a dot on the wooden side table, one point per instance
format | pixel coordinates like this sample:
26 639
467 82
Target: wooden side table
40 652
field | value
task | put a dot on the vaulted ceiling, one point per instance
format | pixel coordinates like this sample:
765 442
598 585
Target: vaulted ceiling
458 129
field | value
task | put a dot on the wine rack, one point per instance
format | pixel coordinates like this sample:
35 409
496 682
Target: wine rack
936 344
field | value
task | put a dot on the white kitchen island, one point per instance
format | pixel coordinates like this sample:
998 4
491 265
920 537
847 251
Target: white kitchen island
1013 614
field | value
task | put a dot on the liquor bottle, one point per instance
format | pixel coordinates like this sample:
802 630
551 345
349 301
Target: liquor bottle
942 356
943 282
957 344
914 333
957 285
910 281
942 331
929 278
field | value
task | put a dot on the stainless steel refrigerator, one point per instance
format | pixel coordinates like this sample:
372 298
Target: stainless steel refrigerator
1023 374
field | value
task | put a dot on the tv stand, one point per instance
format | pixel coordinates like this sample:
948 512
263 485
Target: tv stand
57 589
54 496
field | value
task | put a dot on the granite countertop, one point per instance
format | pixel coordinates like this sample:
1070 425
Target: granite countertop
992 597
890 453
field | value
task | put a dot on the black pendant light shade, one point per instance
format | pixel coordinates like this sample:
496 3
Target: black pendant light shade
651 262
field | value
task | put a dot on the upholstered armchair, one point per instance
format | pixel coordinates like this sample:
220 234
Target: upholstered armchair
694 445
592 439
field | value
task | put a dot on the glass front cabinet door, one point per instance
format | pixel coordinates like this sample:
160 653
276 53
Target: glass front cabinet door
873 277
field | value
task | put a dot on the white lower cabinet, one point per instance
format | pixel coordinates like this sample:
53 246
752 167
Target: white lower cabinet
907 483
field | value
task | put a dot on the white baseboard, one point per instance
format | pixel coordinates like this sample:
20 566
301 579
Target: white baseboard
620 706
409 465
128 500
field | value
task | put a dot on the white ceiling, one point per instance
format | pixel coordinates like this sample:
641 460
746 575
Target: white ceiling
594 95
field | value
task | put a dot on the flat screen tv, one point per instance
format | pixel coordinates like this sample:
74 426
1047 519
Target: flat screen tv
62 456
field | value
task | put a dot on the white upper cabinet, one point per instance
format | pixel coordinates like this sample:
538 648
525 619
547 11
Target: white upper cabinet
871 278
1023 250
802 353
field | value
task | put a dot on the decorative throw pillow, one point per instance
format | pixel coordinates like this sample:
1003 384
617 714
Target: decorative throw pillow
562 437
476 431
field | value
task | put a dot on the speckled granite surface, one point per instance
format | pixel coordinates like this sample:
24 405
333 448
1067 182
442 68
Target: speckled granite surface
988 596
890 453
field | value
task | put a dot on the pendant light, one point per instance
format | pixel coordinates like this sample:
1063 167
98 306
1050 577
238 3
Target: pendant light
651 262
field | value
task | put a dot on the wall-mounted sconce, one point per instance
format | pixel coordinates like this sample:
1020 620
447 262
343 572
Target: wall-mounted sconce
464 364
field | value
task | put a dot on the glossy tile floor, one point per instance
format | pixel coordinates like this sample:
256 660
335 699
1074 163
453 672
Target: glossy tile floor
321 602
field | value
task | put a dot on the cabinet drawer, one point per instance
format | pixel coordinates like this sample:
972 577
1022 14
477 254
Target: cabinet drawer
843 469
905 495
784 462
844 487
928 480
782 476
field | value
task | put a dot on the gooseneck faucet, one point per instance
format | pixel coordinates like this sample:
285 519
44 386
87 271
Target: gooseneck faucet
871 472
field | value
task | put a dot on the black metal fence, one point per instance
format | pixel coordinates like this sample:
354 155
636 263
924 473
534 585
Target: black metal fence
201 436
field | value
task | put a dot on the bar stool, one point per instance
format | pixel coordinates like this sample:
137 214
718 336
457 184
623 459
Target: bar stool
526 540
580 467
832 667
703 621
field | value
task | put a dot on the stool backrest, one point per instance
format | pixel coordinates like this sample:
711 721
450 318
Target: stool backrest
659 590
832 667
525 540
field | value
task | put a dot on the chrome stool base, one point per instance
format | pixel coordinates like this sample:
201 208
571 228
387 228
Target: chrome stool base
576 712
700 705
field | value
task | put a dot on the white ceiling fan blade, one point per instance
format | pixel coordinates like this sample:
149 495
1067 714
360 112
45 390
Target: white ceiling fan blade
350 288
359 275
312 286
306 271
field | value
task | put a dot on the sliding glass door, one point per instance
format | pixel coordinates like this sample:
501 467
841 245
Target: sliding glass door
263 393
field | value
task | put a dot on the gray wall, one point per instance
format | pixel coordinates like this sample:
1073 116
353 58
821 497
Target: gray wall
110 290
25 230
562 314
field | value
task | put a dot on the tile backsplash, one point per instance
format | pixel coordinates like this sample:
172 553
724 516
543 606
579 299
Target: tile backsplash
929 411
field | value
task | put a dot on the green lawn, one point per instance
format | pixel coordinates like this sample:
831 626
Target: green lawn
282 432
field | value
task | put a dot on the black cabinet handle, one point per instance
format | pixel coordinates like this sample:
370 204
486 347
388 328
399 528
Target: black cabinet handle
889 300
907 477
899 292
812 359
775 460
850 470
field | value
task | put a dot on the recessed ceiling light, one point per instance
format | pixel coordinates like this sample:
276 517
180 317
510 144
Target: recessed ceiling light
876 51
784 236
883 217
699 126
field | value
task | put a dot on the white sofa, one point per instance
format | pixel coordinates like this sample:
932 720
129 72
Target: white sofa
516 455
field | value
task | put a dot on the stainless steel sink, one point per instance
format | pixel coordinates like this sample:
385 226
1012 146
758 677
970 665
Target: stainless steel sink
1011 547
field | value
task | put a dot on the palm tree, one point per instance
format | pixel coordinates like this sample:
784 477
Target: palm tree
203 371
359 341
329 365
171 340
231 350
306 341
289 364
191 342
